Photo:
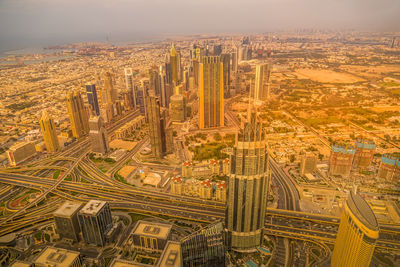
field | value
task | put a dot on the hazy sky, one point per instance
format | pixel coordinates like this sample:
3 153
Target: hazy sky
41 22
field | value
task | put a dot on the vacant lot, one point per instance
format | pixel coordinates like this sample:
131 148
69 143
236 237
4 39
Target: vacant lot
326 76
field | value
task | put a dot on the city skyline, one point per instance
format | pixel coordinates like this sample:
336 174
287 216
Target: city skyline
249 145
121 21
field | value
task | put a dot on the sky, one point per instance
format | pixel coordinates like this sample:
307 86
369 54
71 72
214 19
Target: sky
25 23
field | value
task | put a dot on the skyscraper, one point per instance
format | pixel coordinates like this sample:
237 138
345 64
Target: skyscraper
92 98
129 94
211 93
66 220
262 77
357 234
157 125
77 114
204 248
174 61
226 62
98 136
108 94
95 221
247 186
49 133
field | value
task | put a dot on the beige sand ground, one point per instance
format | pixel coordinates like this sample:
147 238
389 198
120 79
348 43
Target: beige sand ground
121 144
326 76
370 71
385 108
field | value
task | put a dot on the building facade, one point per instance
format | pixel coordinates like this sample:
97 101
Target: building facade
204 248
389 168
78 114
49 133
365 150
211 93
93 101
20 152
98 136
95 221
341 160
247 186
357 234
66 221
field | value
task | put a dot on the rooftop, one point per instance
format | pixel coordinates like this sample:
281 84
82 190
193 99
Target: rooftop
362 210
56 257
68 209
171 256
152 229
20 264
93 207
125 263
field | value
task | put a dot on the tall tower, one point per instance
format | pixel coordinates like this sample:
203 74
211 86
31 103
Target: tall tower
248 186
98 136
92 98
108 94
174 64
49 133
226 62
262 77
130 88
357 234
156 127
77 114
211 93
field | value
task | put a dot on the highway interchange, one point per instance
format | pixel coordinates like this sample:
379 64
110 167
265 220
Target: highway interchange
284 222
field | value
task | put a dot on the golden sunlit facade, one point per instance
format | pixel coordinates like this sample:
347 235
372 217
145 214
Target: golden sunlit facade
77 114
211 93
49 133
174 64
357 234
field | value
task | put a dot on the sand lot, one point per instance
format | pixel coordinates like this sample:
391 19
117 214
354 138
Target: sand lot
326 76
370 71
385 108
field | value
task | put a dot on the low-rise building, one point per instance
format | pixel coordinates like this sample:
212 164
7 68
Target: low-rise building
171 256
58 257
20 152
150 236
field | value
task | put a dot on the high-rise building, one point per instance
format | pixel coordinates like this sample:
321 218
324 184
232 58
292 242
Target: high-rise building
129 94
262 78
204 248
109 93
211 93
389 168
49 133
92 99
341 160
157 125
365 150
95 221
178 108
247 186
78 115
66 220
154 80
308 163
98 136
20 152
174 61
357 234
234 56
52 256
226 62
217 50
